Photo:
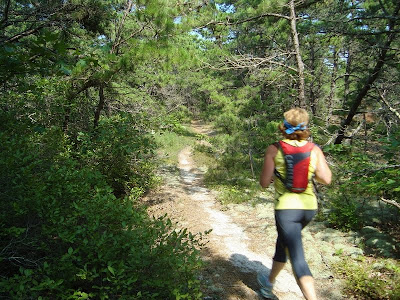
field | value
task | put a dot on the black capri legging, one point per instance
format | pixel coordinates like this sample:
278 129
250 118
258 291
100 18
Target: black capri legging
289 223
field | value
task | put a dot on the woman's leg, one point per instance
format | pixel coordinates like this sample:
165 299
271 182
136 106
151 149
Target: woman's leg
276 268
289 225
306 284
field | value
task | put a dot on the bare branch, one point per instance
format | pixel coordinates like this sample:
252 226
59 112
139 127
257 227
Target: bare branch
247 62
391 202
228 23
121 24
386 103
23 34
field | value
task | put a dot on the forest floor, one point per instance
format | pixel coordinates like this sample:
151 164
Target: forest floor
242 240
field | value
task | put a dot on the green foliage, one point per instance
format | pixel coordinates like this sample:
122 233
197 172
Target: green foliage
121 152
203 155
369 278
376 176
71 225
235 194
344 213
66 235
239 155
228 122
69 191
170 144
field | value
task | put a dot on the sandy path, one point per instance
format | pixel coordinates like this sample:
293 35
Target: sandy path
242 239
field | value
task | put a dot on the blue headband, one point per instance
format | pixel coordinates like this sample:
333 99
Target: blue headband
290 128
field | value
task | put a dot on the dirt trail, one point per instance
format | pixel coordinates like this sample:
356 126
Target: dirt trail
243 236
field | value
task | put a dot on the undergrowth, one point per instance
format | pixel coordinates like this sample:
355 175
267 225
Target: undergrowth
171 142
71 229
370 278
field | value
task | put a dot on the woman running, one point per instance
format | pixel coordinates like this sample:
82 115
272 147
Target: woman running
295 205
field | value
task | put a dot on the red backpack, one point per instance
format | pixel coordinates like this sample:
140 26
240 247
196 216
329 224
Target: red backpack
297 161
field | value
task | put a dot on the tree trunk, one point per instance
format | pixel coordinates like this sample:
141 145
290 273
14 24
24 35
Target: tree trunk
363 92
347 77
370 80
99 107
331 98
312 84
70 96
300 64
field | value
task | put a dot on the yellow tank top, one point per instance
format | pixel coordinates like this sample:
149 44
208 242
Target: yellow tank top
285 199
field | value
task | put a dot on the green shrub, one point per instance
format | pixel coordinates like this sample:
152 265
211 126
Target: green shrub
369 278
235 195
374 179
170 144
344 213
120 151
65 235
228 122
264 134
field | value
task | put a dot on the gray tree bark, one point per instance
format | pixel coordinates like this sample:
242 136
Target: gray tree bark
300 64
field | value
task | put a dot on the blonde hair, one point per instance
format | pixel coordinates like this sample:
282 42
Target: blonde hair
296 116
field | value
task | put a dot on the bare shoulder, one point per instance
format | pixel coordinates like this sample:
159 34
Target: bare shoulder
323 173
318 150
272 150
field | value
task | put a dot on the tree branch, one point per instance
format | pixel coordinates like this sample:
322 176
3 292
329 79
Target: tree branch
23 34
245 62
383 99
121 24
391 202
243 21
370 80
132 35
74 93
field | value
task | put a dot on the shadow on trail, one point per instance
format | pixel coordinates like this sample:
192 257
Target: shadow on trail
247 270
230 285
251 267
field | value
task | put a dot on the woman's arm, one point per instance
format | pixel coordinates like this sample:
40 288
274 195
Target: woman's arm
268 166
322 172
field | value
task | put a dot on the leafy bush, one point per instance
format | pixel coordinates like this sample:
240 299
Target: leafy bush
375 178
120 151
228 122
344 213
64 233
170 143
